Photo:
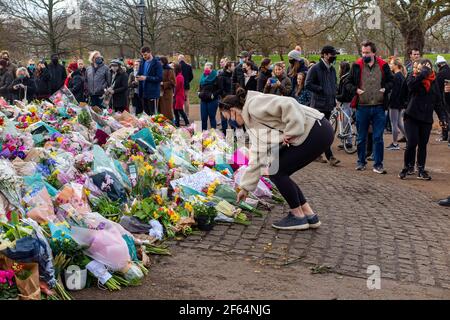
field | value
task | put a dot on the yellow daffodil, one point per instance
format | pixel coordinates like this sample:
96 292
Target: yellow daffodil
189 207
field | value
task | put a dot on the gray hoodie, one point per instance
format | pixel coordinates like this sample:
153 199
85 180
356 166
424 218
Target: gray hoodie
98 79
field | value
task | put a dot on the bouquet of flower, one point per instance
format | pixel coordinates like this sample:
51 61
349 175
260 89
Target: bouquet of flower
8 288
10 184
16 147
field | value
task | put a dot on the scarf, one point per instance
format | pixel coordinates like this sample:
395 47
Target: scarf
428 80
208 79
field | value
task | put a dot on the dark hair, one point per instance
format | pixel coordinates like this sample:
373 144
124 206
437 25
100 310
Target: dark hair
410 51
265 62
177 68
233 101
425 61
146 50
228 65
164 61
344 68
370 44
252 65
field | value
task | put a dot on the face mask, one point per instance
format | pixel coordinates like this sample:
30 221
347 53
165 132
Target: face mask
367 60
241 61
99 61
6 58
332 59
234 124
207 72
21 76
32 66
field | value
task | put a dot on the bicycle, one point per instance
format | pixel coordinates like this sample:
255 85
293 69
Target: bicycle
345 128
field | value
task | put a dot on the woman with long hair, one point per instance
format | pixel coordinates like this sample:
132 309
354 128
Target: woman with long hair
396 105
167 87
425 98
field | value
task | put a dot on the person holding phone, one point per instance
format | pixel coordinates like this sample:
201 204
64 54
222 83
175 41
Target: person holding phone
23 87
285 137
425 98
279 84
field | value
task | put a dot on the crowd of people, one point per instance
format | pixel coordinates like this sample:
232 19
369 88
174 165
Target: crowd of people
372 91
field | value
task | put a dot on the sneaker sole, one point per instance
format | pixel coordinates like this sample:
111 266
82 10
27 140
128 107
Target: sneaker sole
423 179
315 226
380 172
298 228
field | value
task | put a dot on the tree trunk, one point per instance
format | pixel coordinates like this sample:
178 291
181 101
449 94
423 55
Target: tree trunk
414 38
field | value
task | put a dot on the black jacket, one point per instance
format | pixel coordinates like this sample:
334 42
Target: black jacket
252 84
354 80
58 77
442 75
263 77
19 94
42 83
322 82
188 75
238 79
343 95
210 92
120 97
225 84
396 100
6 78
76 86
422 104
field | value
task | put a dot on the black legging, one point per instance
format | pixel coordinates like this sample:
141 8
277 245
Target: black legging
292 159
418 136
328 152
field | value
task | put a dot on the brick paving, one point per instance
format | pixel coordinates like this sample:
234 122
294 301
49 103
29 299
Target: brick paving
365 222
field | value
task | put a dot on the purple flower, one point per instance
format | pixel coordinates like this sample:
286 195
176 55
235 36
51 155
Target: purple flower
101 226
21 155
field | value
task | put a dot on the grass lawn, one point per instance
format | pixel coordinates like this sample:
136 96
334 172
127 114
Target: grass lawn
276 58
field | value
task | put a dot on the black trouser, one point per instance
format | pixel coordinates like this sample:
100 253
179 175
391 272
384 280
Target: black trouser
444 118
328 152
136 102
292 159
418 136
177 117
149 106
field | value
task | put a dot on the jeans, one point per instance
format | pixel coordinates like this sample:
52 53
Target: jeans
96 101
295 158
208 110
347 108
397 123
224 123
418 136
365 116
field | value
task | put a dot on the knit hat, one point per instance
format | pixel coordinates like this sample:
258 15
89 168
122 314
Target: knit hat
440 59
295 55
73 66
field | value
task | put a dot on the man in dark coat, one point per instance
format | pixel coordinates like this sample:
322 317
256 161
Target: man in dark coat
6 79
58 74
238 79
150 76
443 74
322 82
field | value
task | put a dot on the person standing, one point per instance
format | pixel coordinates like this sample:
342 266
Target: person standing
76 83
150 76
10 67
414 57
73 66
345 99
370 81
31 67
446 202
322 82
238 80
209 97
167 87
119 86
179 97
133 87
250 74
442 76
297 64
58 74
226 88
23 87
425 99
396 105
6 79
188 76
98 79
264 74
279 84
42 79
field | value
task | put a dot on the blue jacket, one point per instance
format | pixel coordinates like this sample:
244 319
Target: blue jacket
151 87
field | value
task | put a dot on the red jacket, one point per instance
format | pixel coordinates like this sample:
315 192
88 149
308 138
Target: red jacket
180 96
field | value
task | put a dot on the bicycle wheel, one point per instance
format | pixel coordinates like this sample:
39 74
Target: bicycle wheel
334 122
354 137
